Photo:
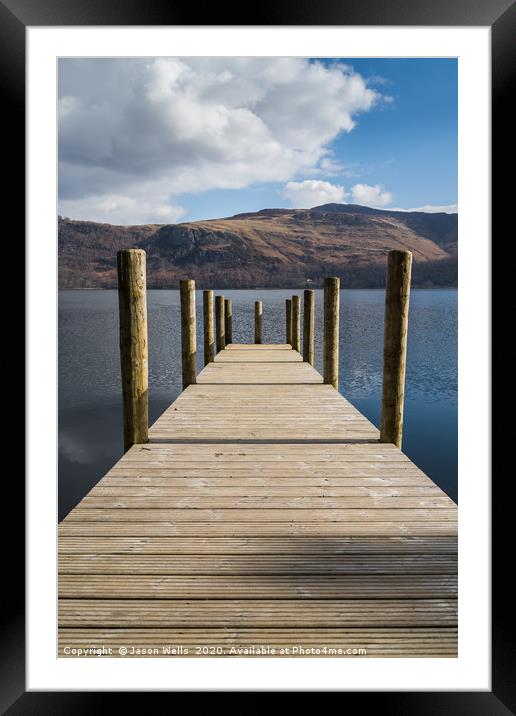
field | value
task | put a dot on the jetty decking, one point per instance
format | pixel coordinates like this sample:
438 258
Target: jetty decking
262 513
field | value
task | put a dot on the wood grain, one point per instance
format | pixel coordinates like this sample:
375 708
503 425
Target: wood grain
134 358
263 511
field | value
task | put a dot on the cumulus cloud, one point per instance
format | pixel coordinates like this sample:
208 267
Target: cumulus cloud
330 167
122 209
312 192
133 129
370 195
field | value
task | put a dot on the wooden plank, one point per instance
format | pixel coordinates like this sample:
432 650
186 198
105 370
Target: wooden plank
259 356
169 480
261 515
286 564
261 346
177 482
259 545
256 529
257 612
284 373
253 391
273 468
199 491
216 586
264 501
175 453
221 533
266 453
181 427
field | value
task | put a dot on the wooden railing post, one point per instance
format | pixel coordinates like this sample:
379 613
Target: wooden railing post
209 333
258 315
331 331
296 324
228 320
188 332
220 323
308 325
288 309
397 295
132 307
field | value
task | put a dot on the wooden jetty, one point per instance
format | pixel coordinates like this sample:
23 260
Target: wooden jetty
264 516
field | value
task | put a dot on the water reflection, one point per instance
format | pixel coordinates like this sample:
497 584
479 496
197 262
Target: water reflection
90 435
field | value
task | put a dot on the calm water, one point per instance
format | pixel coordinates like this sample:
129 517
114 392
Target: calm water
90 411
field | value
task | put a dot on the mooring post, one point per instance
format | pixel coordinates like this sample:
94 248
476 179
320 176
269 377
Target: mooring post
397 295
288 307
188 332
331 331
258 314
209 333
132 307
220 323
228 320
308 325
296 324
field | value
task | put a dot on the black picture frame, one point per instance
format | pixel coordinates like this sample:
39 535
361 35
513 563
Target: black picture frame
15 17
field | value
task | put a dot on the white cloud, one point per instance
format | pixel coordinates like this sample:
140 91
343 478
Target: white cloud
312 192
120 209
130 128
434 209
370 195
330 167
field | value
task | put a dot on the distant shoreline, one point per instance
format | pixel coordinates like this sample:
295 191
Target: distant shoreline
277 248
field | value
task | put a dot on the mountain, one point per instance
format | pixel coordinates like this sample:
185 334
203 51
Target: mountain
269 248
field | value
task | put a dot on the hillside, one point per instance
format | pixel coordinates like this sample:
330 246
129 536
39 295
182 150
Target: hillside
270 248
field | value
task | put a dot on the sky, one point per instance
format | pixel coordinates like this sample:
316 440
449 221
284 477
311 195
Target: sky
165 140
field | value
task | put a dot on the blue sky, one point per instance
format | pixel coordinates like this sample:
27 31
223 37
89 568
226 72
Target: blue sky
173 139
409 145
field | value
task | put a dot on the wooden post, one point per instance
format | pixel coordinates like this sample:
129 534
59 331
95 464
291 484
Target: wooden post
188 332
397 294
258 311
308 325
220 323
228 320
132 307
288 305
331 331
209 333
296 325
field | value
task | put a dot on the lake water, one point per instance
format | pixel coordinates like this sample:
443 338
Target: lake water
90 405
